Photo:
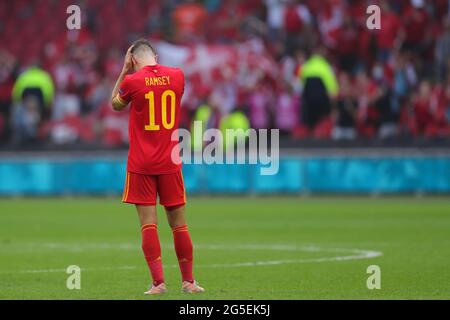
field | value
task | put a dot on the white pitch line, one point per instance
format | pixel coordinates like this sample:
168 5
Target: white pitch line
80 247
354 254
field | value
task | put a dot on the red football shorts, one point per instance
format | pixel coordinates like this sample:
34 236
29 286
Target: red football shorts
143 189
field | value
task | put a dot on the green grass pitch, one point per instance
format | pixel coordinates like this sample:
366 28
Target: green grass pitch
247 248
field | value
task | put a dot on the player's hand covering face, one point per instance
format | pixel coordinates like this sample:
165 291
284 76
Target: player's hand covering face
128 64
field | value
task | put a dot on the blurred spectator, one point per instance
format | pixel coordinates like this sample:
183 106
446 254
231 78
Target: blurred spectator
7 76
320 86
226 22
34 81
422 120
286 109
366 117
390 35
442 52
346 110
209 116
297 22
417 27
189 19
114 126
275 18
65 104
347 38
259 101
26 117
404 76
236 120
386 112
330 18
430 113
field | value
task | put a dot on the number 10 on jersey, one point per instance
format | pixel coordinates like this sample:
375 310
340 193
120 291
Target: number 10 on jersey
150 96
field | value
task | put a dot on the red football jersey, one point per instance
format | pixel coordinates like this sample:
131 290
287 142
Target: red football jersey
155 94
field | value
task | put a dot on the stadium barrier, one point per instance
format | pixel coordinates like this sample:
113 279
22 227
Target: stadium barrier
297 174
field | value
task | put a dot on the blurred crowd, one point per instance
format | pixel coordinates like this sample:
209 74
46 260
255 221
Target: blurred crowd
311 68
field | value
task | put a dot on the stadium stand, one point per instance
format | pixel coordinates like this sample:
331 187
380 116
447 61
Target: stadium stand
380 85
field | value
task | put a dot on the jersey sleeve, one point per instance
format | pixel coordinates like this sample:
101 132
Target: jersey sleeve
125 90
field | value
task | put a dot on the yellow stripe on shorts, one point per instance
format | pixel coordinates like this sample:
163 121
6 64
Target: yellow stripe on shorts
127 187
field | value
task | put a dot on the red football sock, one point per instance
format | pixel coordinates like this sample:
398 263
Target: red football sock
152 252
183 248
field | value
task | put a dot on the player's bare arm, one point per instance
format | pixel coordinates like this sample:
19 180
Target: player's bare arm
117 103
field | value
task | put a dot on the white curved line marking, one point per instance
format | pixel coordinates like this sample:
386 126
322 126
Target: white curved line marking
352 254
